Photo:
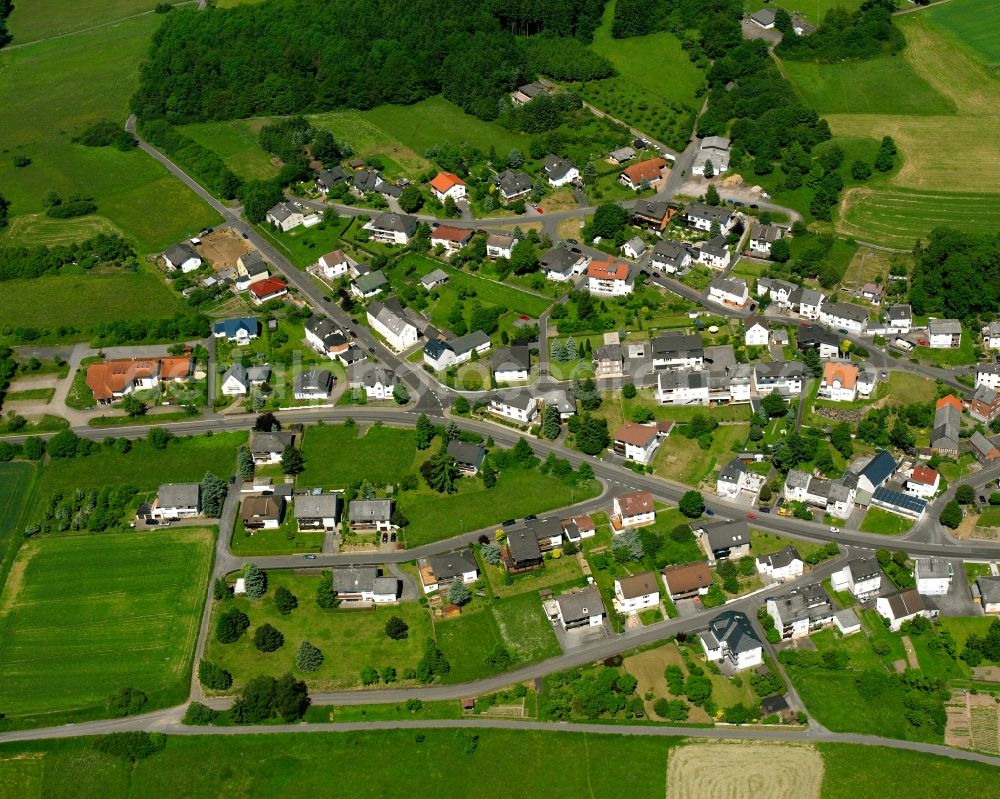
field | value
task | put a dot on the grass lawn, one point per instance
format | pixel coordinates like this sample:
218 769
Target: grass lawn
284 541
556 572
617 409
681 459
973 571
51 91
305 246
989 518
336 455
882 522
973 24
961 627
350 639
82 300
965 353
856 646
762 543
16 479
84 616
30 22
907 387
235 142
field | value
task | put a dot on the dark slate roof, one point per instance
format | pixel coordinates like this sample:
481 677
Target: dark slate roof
879 468
731 471
781 558
464 452
581 604
899 499
733 628
522 544
453 564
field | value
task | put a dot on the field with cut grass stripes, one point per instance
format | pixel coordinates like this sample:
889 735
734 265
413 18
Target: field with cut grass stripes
974 24
15 483
83 616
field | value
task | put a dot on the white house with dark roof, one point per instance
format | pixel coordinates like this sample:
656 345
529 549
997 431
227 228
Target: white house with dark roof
387 319
433 279
944 334
730 638
514 186
900 607
177 501
561 263
377 381
512 364
323 335
317 512
722 539
559 171
861 576
392 228
581 608
676 350
363 584
285 216
671 257
808 303
989 593
991 335
182 256
440 571
764 18
778 291
988 374
785 564
312 384
369 284
800 611
634 248
714 253
899 319
762 237
239 331
442 354
756 332
235 381
368 515
728 291
683 387
701 217
636 592
735 480
785 377
519 407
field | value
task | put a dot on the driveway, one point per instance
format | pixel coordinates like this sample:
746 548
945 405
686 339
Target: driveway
958 601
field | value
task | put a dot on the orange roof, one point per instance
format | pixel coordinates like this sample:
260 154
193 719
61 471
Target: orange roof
443 181
635 503
844 372
645 170
925 475
952 400
608 270
449 233
108 378
582 523
271 285
172 368
638 435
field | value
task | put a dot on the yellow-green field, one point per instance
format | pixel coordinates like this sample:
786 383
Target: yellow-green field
43 19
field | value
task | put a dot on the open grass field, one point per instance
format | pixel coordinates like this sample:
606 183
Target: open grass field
235 142
15 486
85 616
350 639
974 24
680 458
83 300
336 455
50 92
30 22
788 770
304 246
882 522
41 229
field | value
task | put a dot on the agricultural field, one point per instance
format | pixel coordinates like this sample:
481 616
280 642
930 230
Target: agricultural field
15 487
789 771
40 229
972 24
51 91
30 22
85 616
350 639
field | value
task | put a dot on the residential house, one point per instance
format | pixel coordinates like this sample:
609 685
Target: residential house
839 383
642 173
250 268
442 354
947 425
675 350
635 442
756 332
113 379
861 576
576 528
267 448
867 378
239 331
834 496
324 336
469 457
371 515
270 288
983 404
445 185
500 245
730 638
653 214
235 381
559 172
852 318
176 501
389 321
728 291
182 256
991 335
634 248
514 186
520 407
807 303
900 607
872 292
366 181
989 593
876 471
392 228
778 291
985 450
528 92
621 155
369 284
701 217
687 580
762 237
722 539
923 482
334 264
312 384
899 319
561 263
714 149
440 571
314 512
764 18
943 334
262 512
609 277
691 387
988 374
377 381
785 377
730 384
785 564
326 179
635 509
672 257
714 253
636 592
512 364
609 360
451 238
816 337
521 551
581 608
363 584
800 611
735 479
933 576
285 216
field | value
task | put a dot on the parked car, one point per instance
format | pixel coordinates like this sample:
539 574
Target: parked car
309 557
385 538
834 529
843 330
751 515
326 299
152 522
709 512
765 510
510 523
539 209
392 538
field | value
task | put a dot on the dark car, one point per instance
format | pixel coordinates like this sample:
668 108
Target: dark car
530 517
152 522
510 523
371 350
843 330
232 479
739 203
326 299
754 206
392 537
982 499
709 512
572 241
246 235
309 557
765 510
385 538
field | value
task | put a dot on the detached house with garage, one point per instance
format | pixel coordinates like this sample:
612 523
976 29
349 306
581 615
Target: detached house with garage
642 173
561 264
390 228
671 257
513 186
723 539
943 334
735 481
687 580
235 381
267 448
899 319
451 238
785 564
262 512
635 593
370 515
376 380
440 571
363 584
636 442
840 382
636 509
240 331
701 217
520 407
714 149
559 172
714 253
512 364
730 638
728 291
317 512
442 354
270 288
762 237
445 184
182 256
285 216
582 608
861 576
800 611
609 278
323 336
815 337
176 501
389 321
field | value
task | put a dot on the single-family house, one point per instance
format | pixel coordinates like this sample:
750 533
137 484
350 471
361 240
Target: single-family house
581 608
270 288
182 256
177 501
285 216
876 471
816 337
756 332
989 593
722 539
778 291
512 364
785 564
377 381
519 407
392 228
683 387
785 377
334 264
469 457
947 425
239 331
672 257
714 253
521 551
899 319
635 442
988 374
762 237
728 291
363 584
839 383
500 245
609 277
451 238
923 482
676 350
325 337
312 384
370 515
634 248
560 398
985 450
900 606
861 576
317 512
369 284
807 303
250 268
268 447
389 321
730 638
513 186
609 361
561 263
642 173
115 378
713 149
872 292
687 580
528 92
442 354
440 571
576 528
654 214
933 576
735 480
326 179
621 155
559 172
983 404
235 381
943 334
365 181
844 315
445 184
636 592
701 217
635 509
800 611
264 512
991 335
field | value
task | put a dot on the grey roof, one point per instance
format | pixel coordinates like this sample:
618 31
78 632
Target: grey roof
898 312
581 604
238 371
370 510
370 375
559 260
981 443
687 378
839 492
282 211
715 143
732 471
465 452
864 569
716 247
724 534
931 567
773 370
774 704
313 380
780 559
259 374
264 442
905 603
651 208
984 394
671 252
797 479
532 89
389 313
179 253
366 180
522 544
768 233
764 17
311 506
898 499
636 244
773 284
503 240
947 423
804 602
989 588
436 276
513 183
733 628
845 310
561 398
511 358
521 401
370 282
609 352
330 177
944 327
805 296
435 348
321 326
879 468
179 495
812 335
452 564
623 154
252 262
557 168
397 223
847 618
469 342
729 285
678 345
354 580
709 213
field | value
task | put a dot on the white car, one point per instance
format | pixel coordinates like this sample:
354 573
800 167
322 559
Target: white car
834 530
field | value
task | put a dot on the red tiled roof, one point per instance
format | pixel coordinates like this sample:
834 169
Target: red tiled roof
608 270
952 400
107 378
268 286
445 180
644 170
635 503
449 233
844 372
637 434
925 475
583 523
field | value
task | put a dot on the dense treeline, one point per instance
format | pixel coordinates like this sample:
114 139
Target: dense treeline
106 134
564 59
866 33
6 6
101 250
202 163
180 327
546 112
285 56
957 275
711 27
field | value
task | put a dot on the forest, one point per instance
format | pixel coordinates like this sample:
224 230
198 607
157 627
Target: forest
957 275
866 33
285 57
101 250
